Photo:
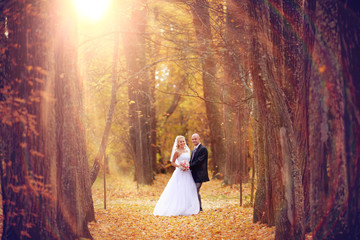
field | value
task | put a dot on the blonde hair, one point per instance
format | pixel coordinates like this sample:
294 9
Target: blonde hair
177 140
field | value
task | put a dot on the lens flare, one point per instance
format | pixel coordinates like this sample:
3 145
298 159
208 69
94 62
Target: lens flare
91 9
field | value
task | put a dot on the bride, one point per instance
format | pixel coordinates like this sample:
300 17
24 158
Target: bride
180 195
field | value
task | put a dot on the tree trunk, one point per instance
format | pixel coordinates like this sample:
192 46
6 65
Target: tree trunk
295 89
350 51
283 192
277 26
255 152
201 20
113 101
153 120
329 183
263 208
309 35
260 213
139 93
236 91
154 55
43 156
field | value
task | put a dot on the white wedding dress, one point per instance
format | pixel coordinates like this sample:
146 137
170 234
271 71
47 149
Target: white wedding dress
180 195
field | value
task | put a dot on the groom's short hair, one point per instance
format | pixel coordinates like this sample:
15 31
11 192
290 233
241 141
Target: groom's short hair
196 135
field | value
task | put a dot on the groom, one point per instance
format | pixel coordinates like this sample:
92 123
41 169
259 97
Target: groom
198 164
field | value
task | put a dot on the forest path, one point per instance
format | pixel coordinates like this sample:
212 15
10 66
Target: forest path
129 213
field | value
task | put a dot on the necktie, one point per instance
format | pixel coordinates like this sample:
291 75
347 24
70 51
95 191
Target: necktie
193 153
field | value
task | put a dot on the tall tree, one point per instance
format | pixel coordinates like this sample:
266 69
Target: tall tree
261 213
139 92
154 47
329 176
315 104
236 91
201 20
283 187
295 89
309 36
109 117
349 12
44 174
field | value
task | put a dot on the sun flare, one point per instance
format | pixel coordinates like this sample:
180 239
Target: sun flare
91 9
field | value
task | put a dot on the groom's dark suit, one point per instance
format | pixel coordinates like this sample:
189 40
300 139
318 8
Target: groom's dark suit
198 167
198 164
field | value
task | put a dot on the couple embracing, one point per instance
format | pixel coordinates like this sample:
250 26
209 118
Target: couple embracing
181 195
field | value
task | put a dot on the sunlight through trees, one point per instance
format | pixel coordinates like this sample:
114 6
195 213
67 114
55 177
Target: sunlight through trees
270 86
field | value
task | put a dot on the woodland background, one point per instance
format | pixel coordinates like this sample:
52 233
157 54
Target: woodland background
271 87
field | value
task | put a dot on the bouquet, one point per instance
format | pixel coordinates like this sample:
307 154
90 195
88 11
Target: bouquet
184 165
